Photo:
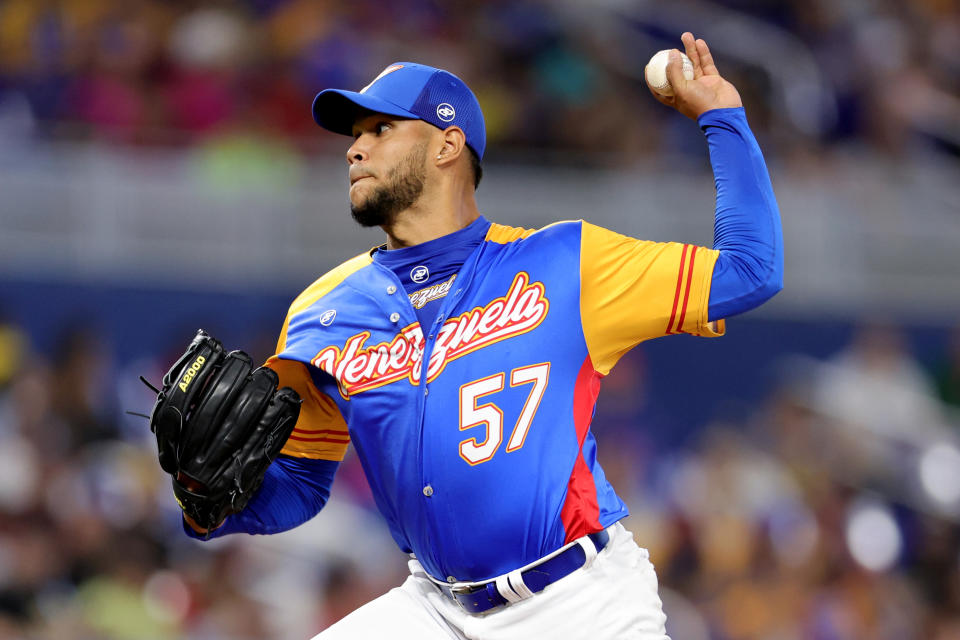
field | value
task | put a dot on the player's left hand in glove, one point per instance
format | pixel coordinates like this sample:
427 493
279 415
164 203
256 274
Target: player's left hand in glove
219 424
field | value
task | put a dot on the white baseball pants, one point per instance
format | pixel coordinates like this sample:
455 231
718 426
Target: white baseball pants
612 597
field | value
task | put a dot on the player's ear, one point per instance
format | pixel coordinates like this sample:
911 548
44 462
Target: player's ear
453 145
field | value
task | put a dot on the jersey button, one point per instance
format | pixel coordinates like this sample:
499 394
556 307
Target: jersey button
428 491
394 316
391 289
451 579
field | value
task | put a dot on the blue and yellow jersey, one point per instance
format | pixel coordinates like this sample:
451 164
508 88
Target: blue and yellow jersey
481 420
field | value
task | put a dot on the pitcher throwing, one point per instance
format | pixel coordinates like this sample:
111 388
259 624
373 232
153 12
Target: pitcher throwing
463 358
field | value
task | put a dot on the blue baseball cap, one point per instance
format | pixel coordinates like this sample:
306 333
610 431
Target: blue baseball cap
407 90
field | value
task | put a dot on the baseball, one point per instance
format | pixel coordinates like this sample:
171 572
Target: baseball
656 71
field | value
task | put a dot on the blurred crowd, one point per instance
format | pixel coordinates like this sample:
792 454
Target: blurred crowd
236 77
832 512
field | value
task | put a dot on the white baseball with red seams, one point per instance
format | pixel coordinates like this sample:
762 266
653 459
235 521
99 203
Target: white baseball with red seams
656 71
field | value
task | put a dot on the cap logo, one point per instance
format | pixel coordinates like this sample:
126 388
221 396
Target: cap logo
389 69
419 274
445 112
326 318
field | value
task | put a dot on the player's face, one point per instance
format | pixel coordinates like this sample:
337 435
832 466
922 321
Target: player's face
388 164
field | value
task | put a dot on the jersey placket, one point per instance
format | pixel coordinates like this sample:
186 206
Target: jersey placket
408 316
433 502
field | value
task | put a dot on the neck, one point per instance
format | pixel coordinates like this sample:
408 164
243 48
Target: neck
431 217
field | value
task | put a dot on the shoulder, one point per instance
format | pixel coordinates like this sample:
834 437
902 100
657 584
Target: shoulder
328 282
503 234
305 315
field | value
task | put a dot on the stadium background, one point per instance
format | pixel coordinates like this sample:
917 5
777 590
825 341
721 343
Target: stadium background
159 171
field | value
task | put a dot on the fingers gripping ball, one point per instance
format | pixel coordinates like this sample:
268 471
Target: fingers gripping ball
219 424
656 71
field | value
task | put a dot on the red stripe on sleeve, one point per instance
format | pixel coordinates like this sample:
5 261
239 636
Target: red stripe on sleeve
676 296
344 440
317 432
686 295
580 514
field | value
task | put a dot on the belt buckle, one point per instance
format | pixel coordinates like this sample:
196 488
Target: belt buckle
459 602
459 590
465 590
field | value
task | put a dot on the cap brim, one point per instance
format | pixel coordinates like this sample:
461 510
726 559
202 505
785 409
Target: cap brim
336 110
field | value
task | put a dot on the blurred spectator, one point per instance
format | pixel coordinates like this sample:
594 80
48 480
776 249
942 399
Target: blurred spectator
947 374
80 400
12 351
877 385
207 48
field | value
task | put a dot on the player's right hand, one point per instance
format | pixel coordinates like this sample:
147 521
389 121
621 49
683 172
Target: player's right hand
708 90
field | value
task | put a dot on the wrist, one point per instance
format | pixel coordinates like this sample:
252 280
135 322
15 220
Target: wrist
192 529
720 115
201 512
196 527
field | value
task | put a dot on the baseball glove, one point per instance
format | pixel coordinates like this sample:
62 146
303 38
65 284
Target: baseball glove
219 424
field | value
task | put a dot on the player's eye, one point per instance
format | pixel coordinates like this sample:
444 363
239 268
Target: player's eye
377 129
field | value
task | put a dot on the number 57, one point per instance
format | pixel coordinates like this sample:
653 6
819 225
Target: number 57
490 415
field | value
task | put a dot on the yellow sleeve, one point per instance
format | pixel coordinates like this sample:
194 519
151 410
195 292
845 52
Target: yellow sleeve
633 290
321 432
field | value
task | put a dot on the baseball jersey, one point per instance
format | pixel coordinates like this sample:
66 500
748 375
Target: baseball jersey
474 431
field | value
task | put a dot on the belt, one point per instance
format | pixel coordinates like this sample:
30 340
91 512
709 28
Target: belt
523 583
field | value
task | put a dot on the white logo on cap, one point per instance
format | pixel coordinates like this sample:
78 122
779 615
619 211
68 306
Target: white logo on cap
390 69
419 274
445 112
326 318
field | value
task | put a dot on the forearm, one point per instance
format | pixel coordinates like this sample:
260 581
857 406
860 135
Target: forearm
293 491
747 232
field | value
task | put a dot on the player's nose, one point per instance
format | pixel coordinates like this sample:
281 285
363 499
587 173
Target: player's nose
356 152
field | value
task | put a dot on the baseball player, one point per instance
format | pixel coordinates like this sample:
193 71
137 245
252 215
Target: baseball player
463 358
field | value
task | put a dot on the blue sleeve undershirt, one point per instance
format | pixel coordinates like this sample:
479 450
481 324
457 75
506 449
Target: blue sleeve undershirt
749 270
293 491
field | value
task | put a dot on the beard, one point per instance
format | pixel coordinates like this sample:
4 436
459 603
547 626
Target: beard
404 185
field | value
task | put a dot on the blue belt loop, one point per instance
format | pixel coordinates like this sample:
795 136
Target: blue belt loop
494 599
